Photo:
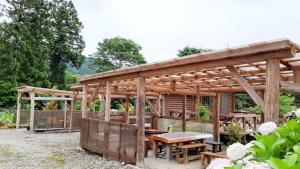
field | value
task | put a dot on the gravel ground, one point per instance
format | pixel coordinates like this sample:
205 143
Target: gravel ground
20 149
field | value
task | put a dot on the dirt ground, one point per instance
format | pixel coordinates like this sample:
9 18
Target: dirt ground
20 149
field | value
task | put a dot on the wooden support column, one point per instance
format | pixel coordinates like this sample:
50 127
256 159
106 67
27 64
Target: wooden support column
102 104
65 114
215 117
19 104
72 111
184 113
108 101
32 104
272 91
296 76
126 115
84 100
140 112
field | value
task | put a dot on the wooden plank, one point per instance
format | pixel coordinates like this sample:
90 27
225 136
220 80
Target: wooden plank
84 101
272 91
32 104
18 110
243 82
140 112
52 98
107 101
184 113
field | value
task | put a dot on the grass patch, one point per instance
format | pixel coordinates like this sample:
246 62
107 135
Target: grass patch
57 159
5 150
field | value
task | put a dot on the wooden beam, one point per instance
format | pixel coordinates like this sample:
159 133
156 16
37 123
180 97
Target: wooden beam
163 90
126 114
272 91
102 105
296 76
243 82
173 85
32 104
84 101
19 105
52 98
108 101
290 87
140 112
184 100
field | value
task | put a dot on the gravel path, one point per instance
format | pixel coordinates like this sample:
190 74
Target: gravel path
20 149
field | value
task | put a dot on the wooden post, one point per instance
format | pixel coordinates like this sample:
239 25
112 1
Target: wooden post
84 101
18 110
272 91
184 113
126 115
72 111
215 117
108 101
102 104
32 104
65 114
296 75
140 112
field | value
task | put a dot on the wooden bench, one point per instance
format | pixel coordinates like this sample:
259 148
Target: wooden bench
207 156
184 149
215 145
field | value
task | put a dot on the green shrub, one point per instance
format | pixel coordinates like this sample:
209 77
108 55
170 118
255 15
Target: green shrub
235 133
6 120
203 112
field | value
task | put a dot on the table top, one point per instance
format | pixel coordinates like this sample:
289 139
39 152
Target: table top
178 137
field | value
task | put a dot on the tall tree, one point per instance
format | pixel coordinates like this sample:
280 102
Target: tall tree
23 49
191 50
65 41
117 53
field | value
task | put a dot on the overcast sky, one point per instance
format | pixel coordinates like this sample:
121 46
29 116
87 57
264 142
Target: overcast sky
162 27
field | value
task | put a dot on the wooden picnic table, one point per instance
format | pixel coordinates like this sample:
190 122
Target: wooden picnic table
169 139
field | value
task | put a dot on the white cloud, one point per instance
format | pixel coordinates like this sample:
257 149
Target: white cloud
162 27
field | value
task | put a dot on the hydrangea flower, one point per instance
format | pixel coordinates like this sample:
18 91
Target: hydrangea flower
256 165
297 113
266 128
219 163
236 151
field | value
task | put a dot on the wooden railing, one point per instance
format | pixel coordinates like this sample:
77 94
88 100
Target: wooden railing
112 139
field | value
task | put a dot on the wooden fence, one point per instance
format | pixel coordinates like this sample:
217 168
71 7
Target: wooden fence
114 140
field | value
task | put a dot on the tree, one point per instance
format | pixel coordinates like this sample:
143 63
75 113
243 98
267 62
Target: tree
65 41
117 53
191 50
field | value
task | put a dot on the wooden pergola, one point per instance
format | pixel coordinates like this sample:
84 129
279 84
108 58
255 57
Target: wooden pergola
34 93
266 66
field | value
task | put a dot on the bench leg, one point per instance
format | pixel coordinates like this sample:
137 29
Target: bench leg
154 149
185 156
178 155
169 151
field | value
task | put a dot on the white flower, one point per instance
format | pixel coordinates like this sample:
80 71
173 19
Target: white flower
297 113
256 165
250 144
219 163
266 128
236 151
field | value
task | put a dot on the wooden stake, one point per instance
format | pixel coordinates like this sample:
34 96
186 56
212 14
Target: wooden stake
108 101
272 91
18 110
32 104
72 111
140 112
